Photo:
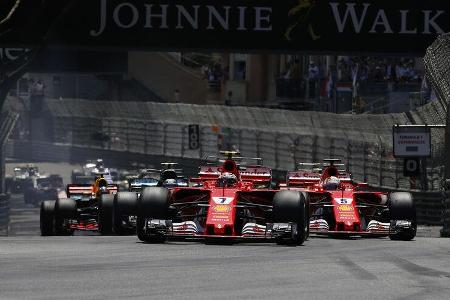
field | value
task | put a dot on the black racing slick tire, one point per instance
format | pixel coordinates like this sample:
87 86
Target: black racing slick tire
291 207
125 204
154 203
105 209
145 236
47 218
401 207
66 208
308 214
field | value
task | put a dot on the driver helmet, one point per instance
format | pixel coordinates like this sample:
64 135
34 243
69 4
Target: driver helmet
332 183
102 185
99 164
168 183
227 180
102 190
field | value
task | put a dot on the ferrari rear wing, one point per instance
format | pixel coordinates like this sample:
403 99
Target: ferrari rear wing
261 174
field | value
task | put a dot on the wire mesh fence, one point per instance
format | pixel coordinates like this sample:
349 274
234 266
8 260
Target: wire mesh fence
369 158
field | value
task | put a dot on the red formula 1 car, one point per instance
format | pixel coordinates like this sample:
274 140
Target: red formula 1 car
86 207
340 207
223 205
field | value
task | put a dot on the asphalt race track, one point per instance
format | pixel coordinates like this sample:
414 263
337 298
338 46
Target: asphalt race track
111 267
96 267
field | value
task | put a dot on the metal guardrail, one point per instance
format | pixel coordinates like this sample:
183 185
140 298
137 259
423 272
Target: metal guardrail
429 206
4 214
445 232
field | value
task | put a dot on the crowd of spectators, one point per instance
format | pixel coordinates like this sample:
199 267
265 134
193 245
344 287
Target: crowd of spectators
366 69
377 69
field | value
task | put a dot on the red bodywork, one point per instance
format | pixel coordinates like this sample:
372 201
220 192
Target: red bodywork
210 210
347 210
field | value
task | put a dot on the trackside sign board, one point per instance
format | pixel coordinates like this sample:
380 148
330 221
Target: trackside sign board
412 141
382 26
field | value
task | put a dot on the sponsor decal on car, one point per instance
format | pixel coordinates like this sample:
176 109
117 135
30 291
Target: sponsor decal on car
221 208
345 208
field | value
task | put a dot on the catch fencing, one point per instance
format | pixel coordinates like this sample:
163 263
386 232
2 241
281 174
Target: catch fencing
282 138
437 66
446 216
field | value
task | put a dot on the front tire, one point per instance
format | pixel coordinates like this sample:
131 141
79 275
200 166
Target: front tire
154 203
145 236
124 206
47 218
291 207
401 207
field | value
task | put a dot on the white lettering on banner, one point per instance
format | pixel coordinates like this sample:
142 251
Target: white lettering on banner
102 20
381 20
242 10
404 23
357 16
260 18
134 18
342 21
11 53
149 16
157 16
192 20
431 21
219 18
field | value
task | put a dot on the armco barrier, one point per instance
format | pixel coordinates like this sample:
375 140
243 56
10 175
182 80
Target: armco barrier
4 214
429 207
445 232
48 152
429 204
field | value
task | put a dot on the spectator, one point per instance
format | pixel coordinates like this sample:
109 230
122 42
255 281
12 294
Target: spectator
37 98
313 71
313 76
38 88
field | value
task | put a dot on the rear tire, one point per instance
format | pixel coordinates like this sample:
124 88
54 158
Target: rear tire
124 206
291 207
154 203
401 207
65 209
47 218
105 208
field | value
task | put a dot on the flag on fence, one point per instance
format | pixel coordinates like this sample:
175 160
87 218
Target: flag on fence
327 87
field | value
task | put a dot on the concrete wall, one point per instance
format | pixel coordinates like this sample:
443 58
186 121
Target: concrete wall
163 75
